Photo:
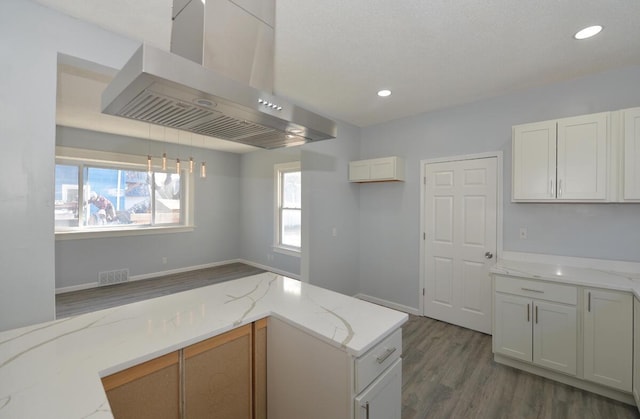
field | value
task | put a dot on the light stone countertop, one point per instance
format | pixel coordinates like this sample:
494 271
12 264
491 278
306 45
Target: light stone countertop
589 277
52 370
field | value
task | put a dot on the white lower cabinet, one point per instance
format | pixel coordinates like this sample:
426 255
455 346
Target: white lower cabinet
636 350
309 378
383 398
536 331
543 327
608 338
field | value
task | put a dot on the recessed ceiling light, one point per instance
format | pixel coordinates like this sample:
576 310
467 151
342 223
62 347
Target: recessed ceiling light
384 93
588 32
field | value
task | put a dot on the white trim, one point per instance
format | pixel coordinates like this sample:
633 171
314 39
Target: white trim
278 169
270 269
152 275
389 304
499 207
287 251
578 262
566 379
98 233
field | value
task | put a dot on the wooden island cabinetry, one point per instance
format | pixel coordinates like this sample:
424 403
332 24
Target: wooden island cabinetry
223 376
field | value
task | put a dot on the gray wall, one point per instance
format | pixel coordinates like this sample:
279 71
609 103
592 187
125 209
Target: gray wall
330 201
390 213
216 217
32 36
258 209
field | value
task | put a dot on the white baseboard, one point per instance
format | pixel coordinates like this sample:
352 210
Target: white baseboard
578 262
389 304
270 269
154 275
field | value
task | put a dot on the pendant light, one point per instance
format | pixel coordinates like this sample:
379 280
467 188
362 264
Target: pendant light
164 161
178 166
203 170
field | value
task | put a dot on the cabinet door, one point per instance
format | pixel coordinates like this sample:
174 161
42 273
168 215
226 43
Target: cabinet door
217 376
582 157
512 335
608 338
359 171
555 330
632 153
383 398
260 369
534 161
149 390
636 350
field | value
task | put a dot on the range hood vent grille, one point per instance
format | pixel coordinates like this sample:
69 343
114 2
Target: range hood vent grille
161 88
151 107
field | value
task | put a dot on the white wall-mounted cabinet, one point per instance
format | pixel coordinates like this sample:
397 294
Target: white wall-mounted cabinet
631 147
385 169
536 322
636 351
562 160
608 338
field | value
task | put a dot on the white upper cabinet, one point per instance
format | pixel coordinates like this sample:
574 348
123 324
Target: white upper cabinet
385 169
534 161
631 154
561 160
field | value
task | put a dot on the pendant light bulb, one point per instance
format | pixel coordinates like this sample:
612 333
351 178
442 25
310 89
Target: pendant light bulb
149 163
164 161
178 166
203 170
191 164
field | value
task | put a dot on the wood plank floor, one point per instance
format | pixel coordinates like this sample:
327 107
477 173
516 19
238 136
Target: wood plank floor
448 372
84 301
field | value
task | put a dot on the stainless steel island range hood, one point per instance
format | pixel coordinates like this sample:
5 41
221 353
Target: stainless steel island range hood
164 88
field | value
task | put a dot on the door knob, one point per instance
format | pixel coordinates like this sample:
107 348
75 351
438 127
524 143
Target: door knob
488 255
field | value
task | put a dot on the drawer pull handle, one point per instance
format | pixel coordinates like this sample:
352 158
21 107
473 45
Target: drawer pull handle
536 314
366 409
532 290
385 355
528 319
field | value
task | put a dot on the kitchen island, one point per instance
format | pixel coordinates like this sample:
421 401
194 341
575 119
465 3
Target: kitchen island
54 369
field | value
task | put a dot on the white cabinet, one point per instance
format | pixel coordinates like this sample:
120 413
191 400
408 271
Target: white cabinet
631 146
636 351
561 160
384 169
530 328
383 398
608 338
309 378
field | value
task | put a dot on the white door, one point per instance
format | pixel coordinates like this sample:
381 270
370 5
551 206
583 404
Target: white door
383 398
512 335
460 241
582 157
555 336
608 338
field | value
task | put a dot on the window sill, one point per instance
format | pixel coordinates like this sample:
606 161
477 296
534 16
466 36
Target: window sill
291 251
103 233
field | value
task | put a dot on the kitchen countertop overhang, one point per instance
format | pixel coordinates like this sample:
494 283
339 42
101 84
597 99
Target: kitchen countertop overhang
53 369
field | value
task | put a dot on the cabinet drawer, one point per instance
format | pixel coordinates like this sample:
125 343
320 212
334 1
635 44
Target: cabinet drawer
540 290
374 362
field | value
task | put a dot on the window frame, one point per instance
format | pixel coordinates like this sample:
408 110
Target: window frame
279 170
83 158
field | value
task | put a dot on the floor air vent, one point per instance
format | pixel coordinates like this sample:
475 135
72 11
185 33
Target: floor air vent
113 277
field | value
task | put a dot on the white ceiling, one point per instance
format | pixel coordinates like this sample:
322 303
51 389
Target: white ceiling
334 55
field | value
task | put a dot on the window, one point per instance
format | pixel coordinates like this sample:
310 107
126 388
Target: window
112 193
288 180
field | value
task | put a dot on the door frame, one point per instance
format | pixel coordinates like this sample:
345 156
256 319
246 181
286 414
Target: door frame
499 209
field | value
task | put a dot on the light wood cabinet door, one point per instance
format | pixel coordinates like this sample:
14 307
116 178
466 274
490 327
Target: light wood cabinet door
632 153
608 338
534 161
555 336
260 369
149 390
582 157
512 334
218 376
